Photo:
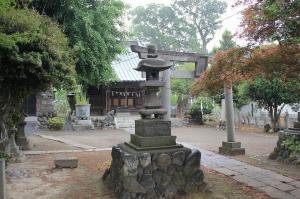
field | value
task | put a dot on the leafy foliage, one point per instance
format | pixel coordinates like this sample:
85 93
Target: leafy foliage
61 104
56 123
226 67
94 30
155 24
185 25
201 15
240 97
292 144
271 20
239 64
203 102
34 54
273 94
81 99
225 43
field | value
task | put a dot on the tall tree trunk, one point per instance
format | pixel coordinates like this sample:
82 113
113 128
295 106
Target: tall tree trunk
275 115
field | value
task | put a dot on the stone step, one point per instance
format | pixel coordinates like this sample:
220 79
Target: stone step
297 125
293 130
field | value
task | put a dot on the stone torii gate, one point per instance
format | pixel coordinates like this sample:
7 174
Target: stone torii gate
200 60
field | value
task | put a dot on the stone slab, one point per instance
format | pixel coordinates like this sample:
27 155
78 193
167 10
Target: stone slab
231 151
297 125
271 181
232 145
81 127
156 141
275 193
148 128
295 183
66 162
227 172
2 179
249 181
138 148
296 193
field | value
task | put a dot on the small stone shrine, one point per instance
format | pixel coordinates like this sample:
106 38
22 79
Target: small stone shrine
152 165
282 152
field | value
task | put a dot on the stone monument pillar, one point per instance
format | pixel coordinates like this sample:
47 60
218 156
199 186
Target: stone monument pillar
231 147
152 165
2 179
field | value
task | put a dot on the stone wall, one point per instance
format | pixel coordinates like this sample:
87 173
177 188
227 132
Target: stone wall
45 108
282 152
153 175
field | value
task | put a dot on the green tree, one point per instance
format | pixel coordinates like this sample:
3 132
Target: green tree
159 25
94 30
273 94
185 25
225 43
203 15
34 54
240 97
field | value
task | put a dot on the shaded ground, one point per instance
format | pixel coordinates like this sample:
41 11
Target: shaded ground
37 179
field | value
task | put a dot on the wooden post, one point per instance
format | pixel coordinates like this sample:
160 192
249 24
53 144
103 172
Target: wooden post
2 179
106 101
126 97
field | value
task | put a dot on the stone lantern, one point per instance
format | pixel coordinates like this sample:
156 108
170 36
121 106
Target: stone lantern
152 131
152 165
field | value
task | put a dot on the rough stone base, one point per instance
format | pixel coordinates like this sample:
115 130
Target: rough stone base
23 143
282 152
231 148
153 174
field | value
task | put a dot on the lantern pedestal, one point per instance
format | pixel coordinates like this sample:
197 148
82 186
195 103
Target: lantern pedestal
153 174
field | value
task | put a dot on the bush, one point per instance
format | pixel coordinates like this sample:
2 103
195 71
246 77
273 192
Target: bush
56 123
207 106
61 104
195 109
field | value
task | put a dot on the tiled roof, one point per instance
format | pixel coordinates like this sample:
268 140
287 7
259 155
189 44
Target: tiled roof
124 66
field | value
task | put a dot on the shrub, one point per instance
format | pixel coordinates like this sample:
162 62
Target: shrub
207 106
61 104
195 109
292 144
56 123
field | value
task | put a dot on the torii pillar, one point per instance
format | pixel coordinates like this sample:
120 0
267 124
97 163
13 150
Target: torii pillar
200 60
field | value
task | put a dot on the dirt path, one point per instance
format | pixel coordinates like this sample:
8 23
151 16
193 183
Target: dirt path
36 178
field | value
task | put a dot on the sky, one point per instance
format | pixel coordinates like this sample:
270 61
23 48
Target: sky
230 24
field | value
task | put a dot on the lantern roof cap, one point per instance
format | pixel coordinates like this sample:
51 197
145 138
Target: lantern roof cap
153 62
